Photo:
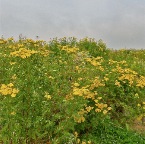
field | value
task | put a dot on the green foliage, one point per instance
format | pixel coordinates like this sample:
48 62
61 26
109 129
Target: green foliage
108 133
94 48
69 91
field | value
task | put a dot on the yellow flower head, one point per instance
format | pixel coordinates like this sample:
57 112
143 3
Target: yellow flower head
96 101
47 96
10 85
109 108
139 105
76 134
13 113
76 84
89 108
99 98
136 95
105 112
97 110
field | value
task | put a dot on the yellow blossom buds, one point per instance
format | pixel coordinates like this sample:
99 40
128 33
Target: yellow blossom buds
8 90
47 96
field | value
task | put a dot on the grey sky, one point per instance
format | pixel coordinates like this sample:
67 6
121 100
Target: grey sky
120 23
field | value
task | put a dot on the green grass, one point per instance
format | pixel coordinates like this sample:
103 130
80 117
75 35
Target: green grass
70 91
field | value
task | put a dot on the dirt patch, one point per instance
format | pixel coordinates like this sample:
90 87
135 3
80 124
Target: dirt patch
138 125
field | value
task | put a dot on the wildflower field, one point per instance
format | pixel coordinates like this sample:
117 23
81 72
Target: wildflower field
69 91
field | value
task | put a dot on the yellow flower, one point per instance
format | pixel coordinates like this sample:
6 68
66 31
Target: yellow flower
10 85
96 101
23 53
8 90
136 95
105 112
106 79
78 141
81 119
101 69
143 103
15 90
80 79
77 91
47 96
117 83
81 112
14 77
3 86
109 108
99 98
13 113
76 84
12 63
100 105
4 92
77 67
76 134
97 110
51 77
89 142
89 108
105 105
139 105
13 95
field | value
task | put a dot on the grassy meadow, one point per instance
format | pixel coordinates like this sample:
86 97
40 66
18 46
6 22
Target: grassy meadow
69 91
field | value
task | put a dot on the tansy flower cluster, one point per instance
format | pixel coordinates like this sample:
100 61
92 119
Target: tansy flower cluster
8 90
80 117
81 114
117 83
88 94
96 62
2 41
44 52
70 49
101 107
121 70
140 82
83 92
16 46
96 83
111 62
28 40
128 75
23 53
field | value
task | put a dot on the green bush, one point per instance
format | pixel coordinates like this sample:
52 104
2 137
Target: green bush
67 91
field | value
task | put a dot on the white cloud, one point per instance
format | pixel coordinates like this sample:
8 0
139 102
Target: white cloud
118 23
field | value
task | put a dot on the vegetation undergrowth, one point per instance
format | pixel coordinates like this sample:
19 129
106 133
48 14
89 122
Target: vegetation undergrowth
67 91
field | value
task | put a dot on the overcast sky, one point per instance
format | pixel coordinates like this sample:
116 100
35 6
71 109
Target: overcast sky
119 23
